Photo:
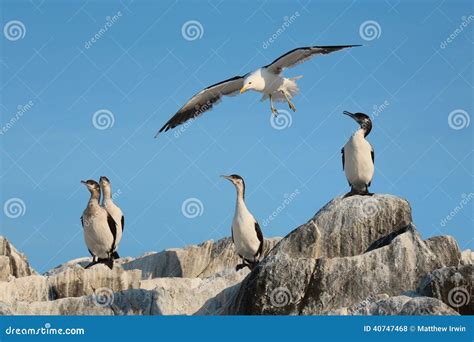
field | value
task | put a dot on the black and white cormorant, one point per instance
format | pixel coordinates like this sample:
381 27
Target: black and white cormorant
246 234
358 157
100 229
113 210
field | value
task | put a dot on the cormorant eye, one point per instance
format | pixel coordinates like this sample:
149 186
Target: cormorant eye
250 82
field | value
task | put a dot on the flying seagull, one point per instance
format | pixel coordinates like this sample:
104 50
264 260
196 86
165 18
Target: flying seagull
266 80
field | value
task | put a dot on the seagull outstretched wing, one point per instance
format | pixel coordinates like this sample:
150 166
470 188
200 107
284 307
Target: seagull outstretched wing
300 55
203 101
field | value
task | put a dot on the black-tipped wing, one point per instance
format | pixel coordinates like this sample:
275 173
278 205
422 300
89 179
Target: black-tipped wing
123 222
204 101
260 238
342 152
372 153
300 55
113 230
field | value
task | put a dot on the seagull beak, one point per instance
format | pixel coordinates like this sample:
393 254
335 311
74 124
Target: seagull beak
243 89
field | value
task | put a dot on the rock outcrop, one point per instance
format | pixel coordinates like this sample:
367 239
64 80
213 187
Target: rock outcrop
193 261
12 262
452 285
356 256
384 305
352 249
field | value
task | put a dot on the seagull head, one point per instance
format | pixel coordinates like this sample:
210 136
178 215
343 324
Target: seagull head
253 81
238 182
362 119
91 185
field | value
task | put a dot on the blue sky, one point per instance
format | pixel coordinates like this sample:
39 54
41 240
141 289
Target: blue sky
415 82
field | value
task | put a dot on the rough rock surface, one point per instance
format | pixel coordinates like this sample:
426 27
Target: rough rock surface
69 289
467 257
383 305
347 227
12 262
356 256
352 249
452 285
201 260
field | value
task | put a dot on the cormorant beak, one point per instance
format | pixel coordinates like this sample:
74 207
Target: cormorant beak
226 177
83 182
348 113
243 89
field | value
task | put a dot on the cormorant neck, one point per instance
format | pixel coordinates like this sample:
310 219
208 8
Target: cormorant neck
240 197
94 199
366 127
106 193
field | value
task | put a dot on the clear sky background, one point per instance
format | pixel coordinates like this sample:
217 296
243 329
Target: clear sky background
407 76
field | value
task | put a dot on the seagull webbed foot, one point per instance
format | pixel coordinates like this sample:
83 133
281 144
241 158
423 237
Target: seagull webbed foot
274 111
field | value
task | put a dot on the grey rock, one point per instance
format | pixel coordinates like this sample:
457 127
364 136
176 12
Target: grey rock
347 227
12 262
352 257
396 268
77 281
129 302
467 257
383 305
201 260
189 296
453 285
72 282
